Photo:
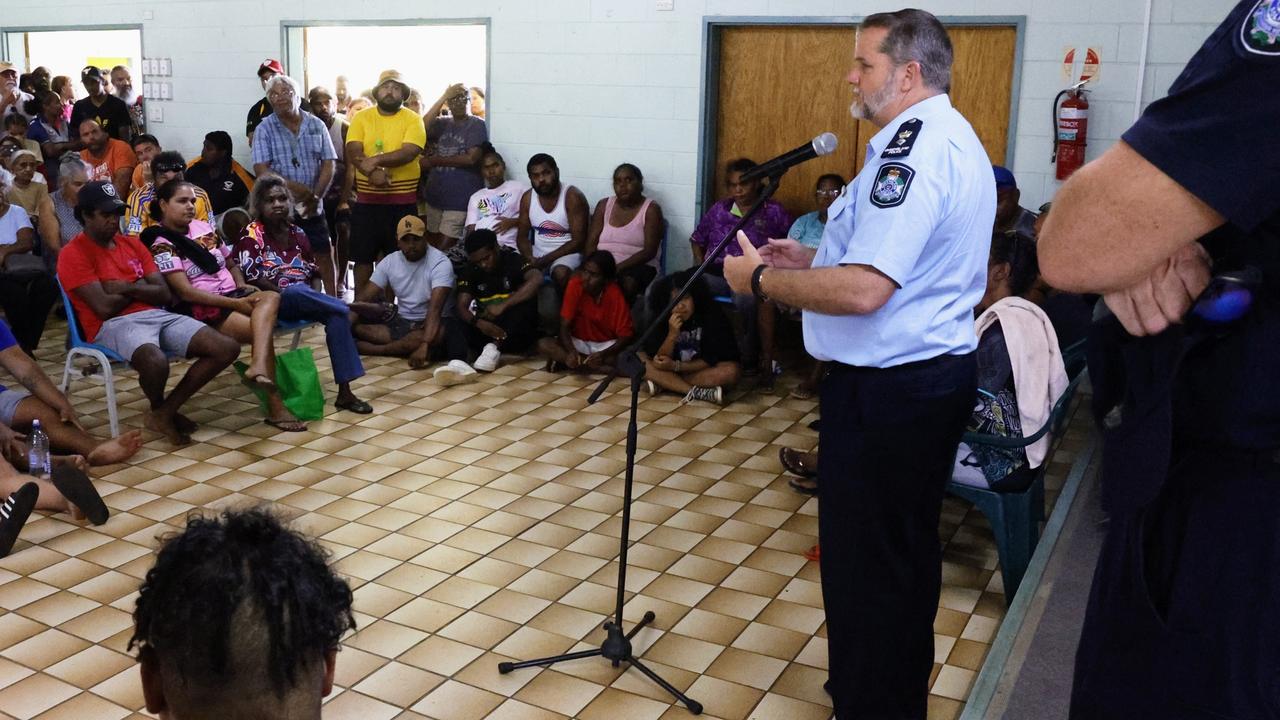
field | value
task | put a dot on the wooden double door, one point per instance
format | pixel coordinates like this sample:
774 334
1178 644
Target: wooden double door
779 84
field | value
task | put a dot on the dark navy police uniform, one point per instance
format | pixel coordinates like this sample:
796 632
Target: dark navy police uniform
1184 616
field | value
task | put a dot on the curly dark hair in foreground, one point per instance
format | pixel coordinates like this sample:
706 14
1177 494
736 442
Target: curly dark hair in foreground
240 595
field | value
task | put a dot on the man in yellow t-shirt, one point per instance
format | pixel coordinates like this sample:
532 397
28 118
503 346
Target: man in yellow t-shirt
383 144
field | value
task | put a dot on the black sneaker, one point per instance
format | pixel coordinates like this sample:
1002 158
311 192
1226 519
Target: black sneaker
14 512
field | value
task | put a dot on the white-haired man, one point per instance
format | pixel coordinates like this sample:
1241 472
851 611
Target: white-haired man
296 145
122 87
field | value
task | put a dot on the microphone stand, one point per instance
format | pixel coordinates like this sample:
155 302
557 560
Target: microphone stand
617 644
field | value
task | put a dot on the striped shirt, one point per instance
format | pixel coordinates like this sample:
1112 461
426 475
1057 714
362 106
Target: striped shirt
380 134
137 214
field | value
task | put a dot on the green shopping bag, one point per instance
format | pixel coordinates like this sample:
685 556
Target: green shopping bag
299 384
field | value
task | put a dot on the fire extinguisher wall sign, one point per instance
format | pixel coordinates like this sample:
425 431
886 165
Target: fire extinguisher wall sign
1070 129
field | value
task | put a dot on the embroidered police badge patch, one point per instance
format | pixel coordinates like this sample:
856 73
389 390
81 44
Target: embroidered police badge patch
891 185
1260 32
904 138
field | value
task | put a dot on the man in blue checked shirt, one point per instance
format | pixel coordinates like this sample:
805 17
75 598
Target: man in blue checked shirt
296 145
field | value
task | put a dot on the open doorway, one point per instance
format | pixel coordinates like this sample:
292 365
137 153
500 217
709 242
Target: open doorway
67 52
431 55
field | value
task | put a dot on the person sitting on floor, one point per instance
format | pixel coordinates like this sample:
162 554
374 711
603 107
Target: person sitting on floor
697 357
67 489
240 617
39 399
274 255
630 226
194 263
497 308
117 294
595 319
419 278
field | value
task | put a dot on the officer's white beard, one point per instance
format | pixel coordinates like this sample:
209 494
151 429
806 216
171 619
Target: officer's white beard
867 107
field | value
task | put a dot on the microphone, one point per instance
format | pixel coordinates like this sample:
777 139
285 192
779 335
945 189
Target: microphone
824 144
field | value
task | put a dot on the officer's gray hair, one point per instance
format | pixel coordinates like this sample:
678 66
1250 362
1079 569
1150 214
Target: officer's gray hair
916 35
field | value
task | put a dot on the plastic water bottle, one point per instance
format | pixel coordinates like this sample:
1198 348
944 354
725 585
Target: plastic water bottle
38 450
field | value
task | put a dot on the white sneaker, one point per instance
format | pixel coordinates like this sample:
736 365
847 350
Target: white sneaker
455 372
489 357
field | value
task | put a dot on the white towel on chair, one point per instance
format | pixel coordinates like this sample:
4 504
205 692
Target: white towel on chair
1039 376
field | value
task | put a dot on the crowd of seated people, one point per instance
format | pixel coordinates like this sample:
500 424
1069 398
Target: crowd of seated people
161 258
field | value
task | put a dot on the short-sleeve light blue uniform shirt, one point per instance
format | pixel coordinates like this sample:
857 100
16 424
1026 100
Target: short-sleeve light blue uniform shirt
923 216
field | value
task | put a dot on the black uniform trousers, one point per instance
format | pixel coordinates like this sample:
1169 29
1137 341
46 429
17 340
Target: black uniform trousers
888 444
1184 615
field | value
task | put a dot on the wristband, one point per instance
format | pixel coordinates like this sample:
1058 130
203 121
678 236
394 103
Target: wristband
755 283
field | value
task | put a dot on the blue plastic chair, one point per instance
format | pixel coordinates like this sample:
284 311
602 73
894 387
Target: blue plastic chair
1015 516
103 356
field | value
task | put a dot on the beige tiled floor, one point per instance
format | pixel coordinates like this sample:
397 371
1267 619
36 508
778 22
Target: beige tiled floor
478 524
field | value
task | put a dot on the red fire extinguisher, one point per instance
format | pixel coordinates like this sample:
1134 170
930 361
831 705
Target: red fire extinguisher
1070 129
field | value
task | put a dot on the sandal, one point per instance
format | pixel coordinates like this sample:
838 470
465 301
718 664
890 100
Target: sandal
258 382
76 487
294 425
802 392
804 486
792 460
355 405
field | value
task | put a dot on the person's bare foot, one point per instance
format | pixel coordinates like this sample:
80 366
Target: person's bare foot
256 376
185 425
115 450
78 462
168 427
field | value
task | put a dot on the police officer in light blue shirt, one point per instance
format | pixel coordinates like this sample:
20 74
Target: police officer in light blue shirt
889 299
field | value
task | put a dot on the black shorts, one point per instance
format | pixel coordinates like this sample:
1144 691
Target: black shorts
373 229
399 327
317 231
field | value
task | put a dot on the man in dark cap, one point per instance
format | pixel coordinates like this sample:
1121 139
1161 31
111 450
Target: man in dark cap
109 111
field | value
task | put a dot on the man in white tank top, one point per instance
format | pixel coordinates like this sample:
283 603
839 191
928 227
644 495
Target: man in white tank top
553 222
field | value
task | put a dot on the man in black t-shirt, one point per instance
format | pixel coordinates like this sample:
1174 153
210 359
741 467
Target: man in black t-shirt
109 111
225 180
259 110
497 303
1184 612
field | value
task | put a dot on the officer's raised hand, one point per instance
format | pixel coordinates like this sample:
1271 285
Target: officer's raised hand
738 270
787 253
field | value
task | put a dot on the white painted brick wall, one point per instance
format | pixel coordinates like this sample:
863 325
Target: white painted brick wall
598 82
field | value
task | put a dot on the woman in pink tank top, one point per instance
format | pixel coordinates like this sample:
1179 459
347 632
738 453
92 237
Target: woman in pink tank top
629 226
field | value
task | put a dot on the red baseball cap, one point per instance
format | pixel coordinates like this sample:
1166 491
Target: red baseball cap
272 65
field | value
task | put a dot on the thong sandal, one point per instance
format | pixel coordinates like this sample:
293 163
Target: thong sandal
287 425
259 382
806 486
355 406
76 486
793 463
